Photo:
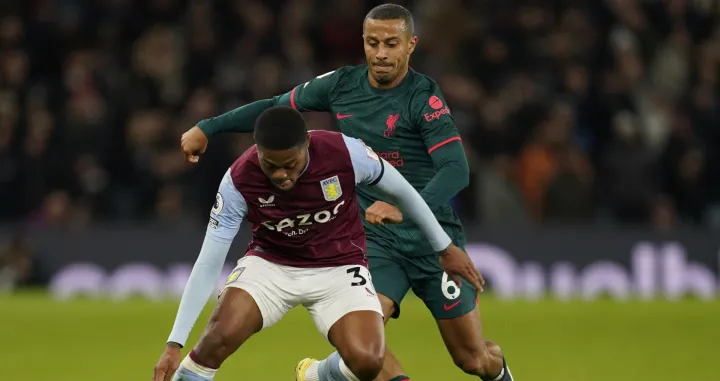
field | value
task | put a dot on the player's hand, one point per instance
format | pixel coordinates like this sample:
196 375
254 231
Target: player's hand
457 264
380 213
168 363
193 142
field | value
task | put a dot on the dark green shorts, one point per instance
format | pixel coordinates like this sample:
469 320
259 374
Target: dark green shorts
394 274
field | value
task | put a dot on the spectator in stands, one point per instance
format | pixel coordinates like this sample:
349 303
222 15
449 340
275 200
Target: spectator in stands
94 95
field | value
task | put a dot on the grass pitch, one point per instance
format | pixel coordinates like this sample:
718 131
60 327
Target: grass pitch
93 340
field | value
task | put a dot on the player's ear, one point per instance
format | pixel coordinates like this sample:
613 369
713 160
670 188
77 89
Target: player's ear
412 44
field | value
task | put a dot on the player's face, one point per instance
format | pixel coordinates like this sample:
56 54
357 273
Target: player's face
388 46
283 167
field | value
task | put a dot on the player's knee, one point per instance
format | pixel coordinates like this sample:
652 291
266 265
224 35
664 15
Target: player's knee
476 359
365 362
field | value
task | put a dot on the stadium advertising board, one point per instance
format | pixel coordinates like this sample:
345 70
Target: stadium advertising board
155 262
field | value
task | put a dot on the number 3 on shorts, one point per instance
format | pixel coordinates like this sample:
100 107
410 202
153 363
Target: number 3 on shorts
449 288
358 279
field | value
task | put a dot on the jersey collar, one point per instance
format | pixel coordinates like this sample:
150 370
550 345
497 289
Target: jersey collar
400 88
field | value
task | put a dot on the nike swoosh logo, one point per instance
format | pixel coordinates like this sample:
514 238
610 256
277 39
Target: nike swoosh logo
341 116
448 308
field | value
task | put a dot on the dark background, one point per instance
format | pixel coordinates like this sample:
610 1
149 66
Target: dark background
589 114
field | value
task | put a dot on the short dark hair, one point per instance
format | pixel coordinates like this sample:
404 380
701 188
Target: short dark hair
279 128
391 11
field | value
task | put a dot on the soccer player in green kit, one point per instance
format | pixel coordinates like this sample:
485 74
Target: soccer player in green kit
403 116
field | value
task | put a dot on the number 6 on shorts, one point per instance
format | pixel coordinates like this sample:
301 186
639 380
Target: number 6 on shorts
447 285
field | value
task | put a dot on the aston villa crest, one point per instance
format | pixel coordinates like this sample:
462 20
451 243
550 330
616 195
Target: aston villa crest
331 188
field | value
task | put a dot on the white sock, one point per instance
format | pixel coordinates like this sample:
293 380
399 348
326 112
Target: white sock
191 371
346 372
312 372
332 368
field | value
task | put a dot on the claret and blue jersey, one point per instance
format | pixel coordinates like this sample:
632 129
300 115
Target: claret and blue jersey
317 223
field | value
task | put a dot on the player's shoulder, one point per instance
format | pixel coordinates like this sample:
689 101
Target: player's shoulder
348 78
327 140
333 148
357 148
324 133
422 84
351 71
426 99
333 143
339 74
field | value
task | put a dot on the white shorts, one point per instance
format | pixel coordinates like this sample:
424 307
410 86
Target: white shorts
329 293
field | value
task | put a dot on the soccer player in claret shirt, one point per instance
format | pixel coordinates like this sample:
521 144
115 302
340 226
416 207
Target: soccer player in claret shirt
297 189
403 116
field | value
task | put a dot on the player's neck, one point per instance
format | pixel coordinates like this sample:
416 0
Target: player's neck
391 85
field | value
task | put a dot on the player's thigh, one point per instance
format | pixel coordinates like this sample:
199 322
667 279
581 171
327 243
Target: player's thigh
340 291
269 286
454 308
463 338
235 318
389 278
349 313
438 291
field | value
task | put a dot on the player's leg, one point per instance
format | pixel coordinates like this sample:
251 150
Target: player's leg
470 351
456 312
391 370
235 318
391 284
252 299
359 337
348 313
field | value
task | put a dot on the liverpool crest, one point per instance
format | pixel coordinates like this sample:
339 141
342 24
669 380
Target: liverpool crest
331 188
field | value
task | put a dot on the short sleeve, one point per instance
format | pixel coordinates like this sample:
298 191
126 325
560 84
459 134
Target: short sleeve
433 119
228 211
367 165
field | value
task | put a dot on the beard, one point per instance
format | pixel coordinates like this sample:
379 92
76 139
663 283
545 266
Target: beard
384 78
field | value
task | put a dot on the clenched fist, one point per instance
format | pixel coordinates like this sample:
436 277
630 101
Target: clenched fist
193 142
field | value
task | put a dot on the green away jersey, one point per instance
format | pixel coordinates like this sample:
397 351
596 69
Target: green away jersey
404 125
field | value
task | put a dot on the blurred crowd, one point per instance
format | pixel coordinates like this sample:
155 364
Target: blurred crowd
571 111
